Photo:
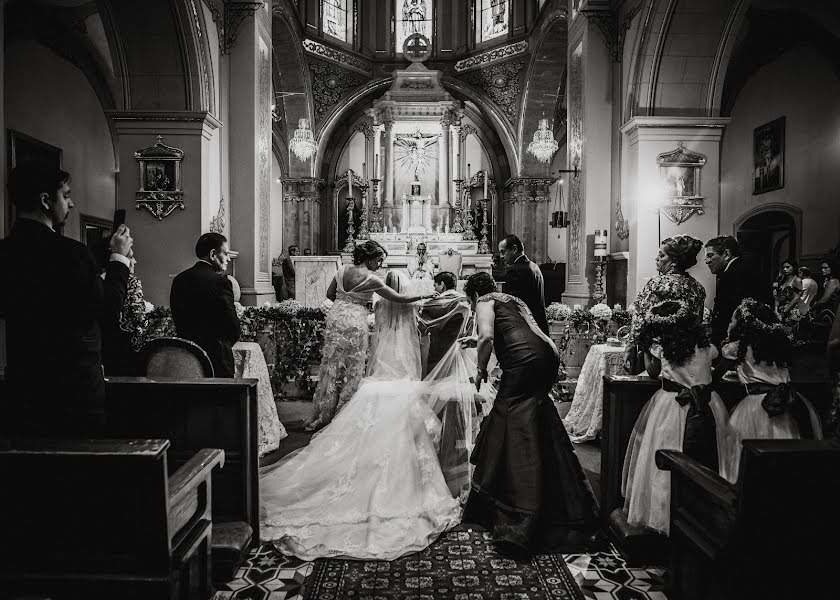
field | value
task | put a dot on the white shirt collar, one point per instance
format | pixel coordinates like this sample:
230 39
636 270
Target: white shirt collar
732 260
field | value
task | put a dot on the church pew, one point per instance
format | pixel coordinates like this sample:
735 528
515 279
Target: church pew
199 413
624 398
105 519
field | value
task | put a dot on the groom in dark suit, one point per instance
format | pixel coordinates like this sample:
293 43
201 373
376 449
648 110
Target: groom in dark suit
202 303
443 336
736 280
523 279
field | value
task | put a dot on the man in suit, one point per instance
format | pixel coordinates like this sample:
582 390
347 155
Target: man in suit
736 280
54 302
443 335
523 279
289 272
202 303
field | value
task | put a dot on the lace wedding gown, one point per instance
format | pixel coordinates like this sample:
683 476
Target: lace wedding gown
369 485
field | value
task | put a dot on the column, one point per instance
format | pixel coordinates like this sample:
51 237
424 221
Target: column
388 180
457 171
444 180
302 222
589 110
644 139
167 247
250 148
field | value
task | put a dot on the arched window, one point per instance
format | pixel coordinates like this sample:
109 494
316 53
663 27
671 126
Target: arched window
413 16
334 19
493 19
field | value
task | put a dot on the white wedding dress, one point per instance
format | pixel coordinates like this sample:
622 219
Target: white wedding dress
369 485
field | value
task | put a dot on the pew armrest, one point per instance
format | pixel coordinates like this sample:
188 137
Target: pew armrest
193 472
713 486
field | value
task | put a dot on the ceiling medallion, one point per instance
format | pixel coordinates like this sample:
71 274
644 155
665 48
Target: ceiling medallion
543 146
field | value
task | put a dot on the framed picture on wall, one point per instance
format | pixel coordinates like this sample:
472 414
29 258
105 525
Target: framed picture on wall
26 149
769 156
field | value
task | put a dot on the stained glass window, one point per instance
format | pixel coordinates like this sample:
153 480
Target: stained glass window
413 16
493 19
334 18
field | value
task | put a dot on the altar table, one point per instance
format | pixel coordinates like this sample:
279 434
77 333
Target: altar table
250 363
583 421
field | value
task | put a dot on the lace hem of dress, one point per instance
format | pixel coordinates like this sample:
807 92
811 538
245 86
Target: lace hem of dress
444 505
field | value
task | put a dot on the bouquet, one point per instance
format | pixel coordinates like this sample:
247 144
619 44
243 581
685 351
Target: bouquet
557 311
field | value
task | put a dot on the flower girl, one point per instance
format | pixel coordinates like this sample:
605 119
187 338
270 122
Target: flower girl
683 415
760 346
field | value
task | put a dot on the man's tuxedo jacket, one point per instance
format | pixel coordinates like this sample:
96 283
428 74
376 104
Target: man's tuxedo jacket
525 281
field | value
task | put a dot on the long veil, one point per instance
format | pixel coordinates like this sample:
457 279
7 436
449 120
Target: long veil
395 348
450 392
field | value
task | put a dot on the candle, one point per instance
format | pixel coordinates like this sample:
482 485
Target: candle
485 186
468 171
458 167
349 183
364 171
376 166
600 243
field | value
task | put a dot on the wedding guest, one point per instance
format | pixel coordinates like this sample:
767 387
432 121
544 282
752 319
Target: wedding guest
202 303
528 488
676 255
830 296
307 251
523 279
760 346
123 337
787 289
685 414
53 301
289 272
736 280
346 330
809 289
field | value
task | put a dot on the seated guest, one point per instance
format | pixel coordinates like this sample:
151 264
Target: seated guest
202 303
434 318
761 348
787 290
683 415
809 290
123 337
524 279
53 301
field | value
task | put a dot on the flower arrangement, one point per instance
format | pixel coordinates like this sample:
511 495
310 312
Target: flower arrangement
580 317
557 311
621 317
601 312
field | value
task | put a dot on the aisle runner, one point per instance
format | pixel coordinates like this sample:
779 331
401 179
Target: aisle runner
461 564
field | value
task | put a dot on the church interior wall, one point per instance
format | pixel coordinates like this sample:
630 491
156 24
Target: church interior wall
277 212
557 238
801 86
49 99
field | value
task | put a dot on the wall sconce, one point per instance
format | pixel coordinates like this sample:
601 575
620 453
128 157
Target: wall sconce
679 172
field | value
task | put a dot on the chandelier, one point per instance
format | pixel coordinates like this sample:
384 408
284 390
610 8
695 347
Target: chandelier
543 145
303 143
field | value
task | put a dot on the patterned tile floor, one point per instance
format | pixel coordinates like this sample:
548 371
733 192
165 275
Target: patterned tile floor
268 575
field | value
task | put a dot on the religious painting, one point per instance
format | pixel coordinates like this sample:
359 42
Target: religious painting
160 190
769 156
334 16
679 172
24 149
494 19
413 16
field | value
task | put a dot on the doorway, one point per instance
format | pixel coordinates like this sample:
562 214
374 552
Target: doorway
767 239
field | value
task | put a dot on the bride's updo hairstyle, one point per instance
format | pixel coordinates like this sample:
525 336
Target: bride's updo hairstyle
479 284
367 251
682 250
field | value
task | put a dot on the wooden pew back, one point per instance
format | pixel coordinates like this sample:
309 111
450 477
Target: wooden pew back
195 414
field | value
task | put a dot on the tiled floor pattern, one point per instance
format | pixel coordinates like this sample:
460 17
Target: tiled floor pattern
268 575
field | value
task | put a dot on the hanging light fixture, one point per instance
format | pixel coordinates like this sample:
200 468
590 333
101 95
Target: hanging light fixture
543 145
303 143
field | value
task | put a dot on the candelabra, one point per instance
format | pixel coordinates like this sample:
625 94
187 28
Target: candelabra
483 245
469 229
457 225
376 213
350 245
363 226
600 264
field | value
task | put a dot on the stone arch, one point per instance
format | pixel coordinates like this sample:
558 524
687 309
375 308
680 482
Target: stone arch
763 242
544 95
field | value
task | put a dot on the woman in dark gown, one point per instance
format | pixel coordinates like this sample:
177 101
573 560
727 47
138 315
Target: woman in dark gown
528 487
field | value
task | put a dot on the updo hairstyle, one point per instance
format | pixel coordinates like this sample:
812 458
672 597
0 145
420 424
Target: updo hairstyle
366 251
682 250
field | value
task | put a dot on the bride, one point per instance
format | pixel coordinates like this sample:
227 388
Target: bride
369 485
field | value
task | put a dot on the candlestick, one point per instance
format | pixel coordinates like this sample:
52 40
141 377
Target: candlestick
363 226
483 245
457 226
350 245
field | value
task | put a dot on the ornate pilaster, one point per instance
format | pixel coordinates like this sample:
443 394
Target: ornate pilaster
443 162
388 182
527 213
302 217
